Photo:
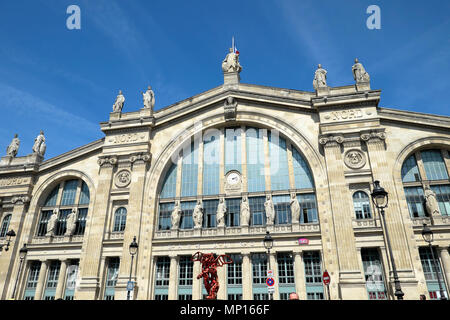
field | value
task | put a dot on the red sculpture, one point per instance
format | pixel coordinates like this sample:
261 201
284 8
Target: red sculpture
209 270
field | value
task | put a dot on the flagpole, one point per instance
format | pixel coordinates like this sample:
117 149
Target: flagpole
232 43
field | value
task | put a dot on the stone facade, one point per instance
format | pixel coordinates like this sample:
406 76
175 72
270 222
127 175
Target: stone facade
347 139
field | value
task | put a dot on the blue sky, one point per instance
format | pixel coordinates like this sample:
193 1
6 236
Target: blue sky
65 81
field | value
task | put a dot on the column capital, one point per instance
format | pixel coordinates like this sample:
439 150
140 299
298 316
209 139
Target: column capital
378 135
110 160
331 139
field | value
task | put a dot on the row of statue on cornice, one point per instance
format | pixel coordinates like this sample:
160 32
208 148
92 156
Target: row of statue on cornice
39 146
359 74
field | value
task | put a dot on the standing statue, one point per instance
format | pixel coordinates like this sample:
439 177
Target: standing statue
51 223
149 98
13 147
176 216
245 211
431 202
295 209
270 210
320 78
209 271
120 100
198 214
220 214
231 62
39 146
359 73
71 222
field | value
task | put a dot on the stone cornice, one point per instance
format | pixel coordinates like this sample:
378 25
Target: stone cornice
417 118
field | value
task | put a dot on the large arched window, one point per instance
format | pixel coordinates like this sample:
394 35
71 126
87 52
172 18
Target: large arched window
422 169
361 205
66 196
266 162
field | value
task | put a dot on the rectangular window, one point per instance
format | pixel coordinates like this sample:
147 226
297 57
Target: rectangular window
112 273
162 271
187 208
443 198
434 165
42 226
235 296
234 270
233 212
256 179
161 297
81 221
282 205
185 271
415 200
430 267
209 213
308 208
52 280
165 212
260 296
185 297
313 274
374 275
69 192
5 225
61 222
32 280
285 268
259 264
257 212
71 279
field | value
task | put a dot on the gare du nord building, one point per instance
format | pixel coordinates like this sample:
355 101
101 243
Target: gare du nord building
233 147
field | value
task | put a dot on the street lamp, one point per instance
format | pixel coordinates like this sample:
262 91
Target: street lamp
9 234
427 235
22 254
380 199
268 244
133 250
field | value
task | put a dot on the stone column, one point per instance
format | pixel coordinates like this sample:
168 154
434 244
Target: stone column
93 238
61 280
134 213
173 278
246 277
299 272
197 283
351 279
398 233
9 260
41 280
445 258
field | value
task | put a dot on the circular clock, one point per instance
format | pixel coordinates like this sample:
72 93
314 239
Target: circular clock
233 178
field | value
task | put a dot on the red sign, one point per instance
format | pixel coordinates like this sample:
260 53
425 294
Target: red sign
303 241
326 278
270 282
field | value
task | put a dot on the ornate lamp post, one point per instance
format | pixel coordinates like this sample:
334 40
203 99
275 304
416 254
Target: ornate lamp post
427 235
133 250
380 199
22 254
9 234
268 244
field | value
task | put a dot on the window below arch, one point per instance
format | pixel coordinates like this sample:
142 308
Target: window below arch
120 219
71 195
5 225
361 205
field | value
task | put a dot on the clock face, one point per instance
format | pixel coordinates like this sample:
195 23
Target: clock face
233 178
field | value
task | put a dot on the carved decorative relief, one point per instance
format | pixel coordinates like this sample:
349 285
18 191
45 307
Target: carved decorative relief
122 179
145 157
23 199
230 106
366 136
111 160
13 181
324 139
354 159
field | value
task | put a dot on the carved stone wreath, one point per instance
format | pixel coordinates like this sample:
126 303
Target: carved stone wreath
123 178
354 159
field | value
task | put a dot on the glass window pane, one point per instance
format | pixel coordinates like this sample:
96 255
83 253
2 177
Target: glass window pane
282 205
69 192
259 265
5 226
120 219
443 198
361 204
185 268
187 208
410 171
434 165
209 213
233 151
257 211
211 162
84 196
233 212
308 208
52 197
81 221
302 174
415 200
374 275
255 159
42 226
279 172
165 213
170 182
189 175
162 271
